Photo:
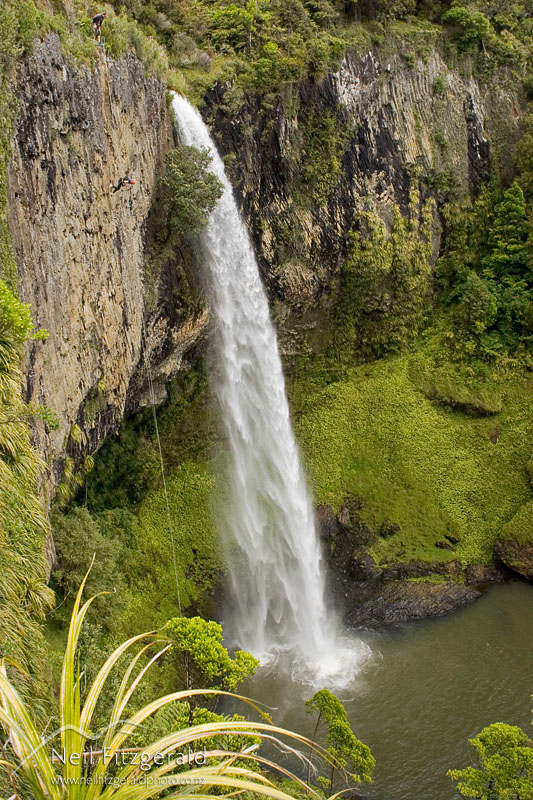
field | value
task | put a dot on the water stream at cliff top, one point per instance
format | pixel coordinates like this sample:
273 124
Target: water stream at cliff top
277 585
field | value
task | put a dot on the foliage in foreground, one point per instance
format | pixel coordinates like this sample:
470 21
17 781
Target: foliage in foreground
24 597
30 767
505 756
204 662
342 744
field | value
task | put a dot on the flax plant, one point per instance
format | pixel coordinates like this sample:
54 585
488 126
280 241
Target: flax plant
24 596
32 771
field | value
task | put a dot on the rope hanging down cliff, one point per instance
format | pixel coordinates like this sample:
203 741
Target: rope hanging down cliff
169 516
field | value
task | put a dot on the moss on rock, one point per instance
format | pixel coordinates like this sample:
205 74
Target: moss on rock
515 546
520 528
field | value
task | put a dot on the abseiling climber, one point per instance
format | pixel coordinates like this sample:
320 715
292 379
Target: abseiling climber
97 24
121 183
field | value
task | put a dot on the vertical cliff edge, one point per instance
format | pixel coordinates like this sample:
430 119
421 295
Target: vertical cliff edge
81 250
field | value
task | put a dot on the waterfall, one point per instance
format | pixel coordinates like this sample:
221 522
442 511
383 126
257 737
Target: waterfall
277 585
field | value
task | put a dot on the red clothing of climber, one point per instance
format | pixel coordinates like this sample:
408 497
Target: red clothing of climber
121 183
97 24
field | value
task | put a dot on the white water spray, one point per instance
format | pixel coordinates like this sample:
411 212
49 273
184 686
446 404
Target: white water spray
278 601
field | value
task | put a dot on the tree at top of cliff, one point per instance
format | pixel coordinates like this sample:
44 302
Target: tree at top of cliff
509 235
471 26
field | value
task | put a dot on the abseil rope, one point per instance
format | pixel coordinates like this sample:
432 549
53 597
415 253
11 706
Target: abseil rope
152 398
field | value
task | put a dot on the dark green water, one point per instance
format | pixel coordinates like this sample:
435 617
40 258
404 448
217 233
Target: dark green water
425 689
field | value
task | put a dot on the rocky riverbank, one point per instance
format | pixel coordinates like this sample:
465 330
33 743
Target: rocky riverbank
374 596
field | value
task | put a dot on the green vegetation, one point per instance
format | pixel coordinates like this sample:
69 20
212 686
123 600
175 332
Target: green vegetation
32 771
471 27
523 157
486 278
491 33
258 46
134 551
199 655
207 662
385 284
191 191
24 596
201 661
432 470
342 744
520 528
125 521
437 440
505 759
317 148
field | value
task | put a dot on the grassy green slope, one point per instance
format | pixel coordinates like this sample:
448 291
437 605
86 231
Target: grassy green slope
431 469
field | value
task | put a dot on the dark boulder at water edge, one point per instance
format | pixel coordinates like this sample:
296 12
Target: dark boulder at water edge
518 556
400 601
514 548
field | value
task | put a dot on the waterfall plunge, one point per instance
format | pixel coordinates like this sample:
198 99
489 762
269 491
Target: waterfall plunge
277 587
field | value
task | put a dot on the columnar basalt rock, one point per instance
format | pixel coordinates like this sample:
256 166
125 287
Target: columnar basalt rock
400 126
81 250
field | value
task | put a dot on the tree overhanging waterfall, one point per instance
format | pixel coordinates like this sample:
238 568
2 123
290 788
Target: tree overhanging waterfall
276 581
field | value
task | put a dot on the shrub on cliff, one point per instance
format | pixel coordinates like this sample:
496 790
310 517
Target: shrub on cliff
385 283
486 275
509 235
190 190
523 158
471 27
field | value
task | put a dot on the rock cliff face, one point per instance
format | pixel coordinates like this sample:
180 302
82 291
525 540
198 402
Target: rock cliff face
394 124
304 168
81 250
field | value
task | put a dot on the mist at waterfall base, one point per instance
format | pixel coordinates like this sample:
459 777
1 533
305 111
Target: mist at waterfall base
429 687
267 521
